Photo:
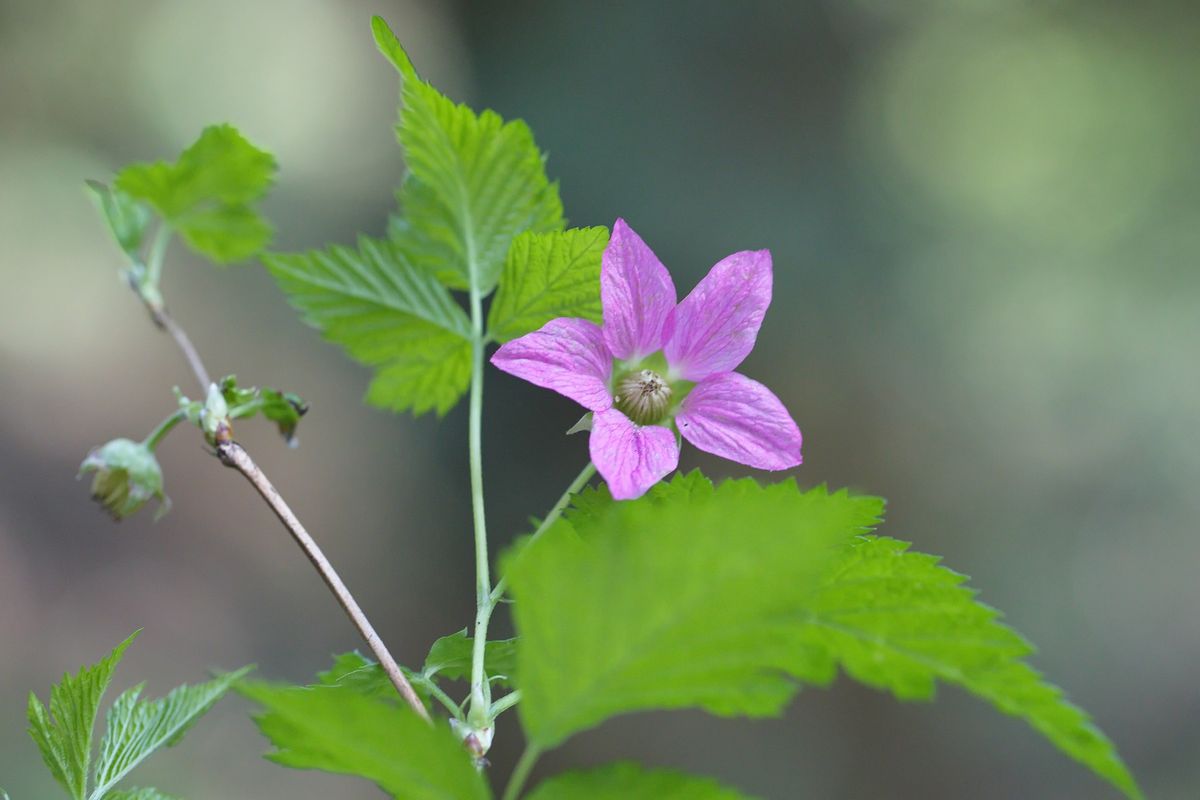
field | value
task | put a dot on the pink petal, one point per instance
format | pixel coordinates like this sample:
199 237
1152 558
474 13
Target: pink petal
715 326
636 294
631 458
736 418
566 355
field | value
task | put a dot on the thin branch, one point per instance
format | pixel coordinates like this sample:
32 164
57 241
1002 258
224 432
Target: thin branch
167 323
233 455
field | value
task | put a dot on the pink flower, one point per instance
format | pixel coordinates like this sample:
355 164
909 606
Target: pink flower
656 366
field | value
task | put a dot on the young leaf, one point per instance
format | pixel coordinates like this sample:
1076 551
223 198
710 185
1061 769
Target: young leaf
630 781
136 728
681 598
898 621
387 314
450 657
474 182
546 276
207 195
64 733
138 794
345 732
126 218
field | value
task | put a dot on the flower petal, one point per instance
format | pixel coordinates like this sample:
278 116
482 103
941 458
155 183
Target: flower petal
715 326
636 293
566 355
740 419
631 458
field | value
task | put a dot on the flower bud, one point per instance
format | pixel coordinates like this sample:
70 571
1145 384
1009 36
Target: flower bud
214 419
127 475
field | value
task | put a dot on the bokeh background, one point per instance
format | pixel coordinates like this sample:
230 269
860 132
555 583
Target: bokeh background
984 220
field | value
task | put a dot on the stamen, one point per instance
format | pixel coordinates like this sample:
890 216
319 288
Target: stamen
643 396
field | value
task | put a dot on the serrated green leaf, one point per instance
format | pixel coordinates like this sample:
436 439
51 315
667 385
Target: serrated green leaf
136 727
126 218
474 182
208 194
899 621
629 781
679 599
546 276
64 733
387 314
450 657
139 794
352 734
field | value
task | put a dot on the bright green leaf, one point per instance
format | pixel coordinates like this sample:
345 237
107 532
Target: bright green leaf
126 218
136 727
629 781
139 794
546 276
450 657
898 621
474 182
64 733
352 734
682 598
208 194
387 314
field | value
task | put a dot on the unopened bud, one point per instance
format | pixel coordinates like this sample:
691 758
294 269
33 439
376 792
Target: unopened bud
127 475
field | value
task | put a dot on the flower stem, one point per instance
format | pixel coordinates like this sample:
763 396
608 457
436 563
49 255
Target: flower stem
158 434
478 714
580 481
521 772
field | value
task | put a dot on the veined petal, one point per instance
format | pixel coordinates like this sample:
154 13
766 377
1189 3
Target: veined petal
738 418
566 355
630 458
715 326
636 293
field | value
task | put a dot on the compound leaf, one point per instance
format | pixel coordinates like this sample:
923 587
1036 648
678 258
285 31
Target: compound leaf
342 731
64 733
387 314
474 182
137 727
546 276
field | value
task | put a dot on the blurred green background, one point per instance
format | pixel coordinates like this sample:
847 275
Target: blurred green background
984 220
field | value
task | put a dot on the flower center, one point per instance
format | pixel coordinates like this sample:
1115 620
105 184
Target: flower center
643 397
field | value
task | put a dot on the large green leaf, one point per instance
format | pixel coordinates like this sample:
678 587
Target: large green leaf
629 781
387 314
64 733
898 621
546 276
339 730
208 194
474 182
683 598
136 727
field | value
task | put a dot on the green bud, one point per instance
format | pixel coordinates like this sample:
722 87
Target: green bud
214 419
127 475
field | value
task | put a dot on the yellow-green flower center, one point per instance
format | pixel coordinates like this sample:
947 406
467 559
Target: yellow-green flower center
643 396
